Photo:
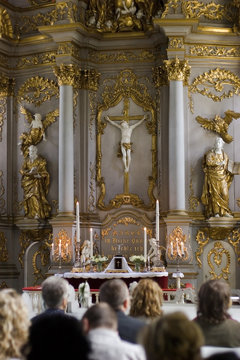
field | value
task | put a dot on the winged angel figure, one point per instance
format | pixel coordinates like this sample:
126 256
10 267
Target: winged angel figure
220 125
37 128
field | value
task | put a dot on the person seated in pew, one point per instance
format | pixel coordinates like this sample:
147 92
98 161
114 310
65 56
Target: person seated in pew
57 337
115 293
14 324
218 328
147 299
100 325
55 297
172 337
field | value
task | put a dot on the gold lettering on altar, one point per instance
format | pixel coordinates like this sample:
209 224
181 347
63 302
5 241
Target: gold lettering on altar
129 235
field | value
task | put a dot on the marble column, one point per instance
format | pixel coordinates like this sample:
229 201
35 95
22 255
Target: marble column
66 77
177 72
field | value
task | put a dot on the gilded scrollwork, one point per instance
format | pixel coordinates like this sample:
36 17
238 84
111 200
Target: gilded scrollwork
67 11
100 57
214 50
202 239
160 77
3 112
36 90
2 191
6 23
176 43
88 79
177 70
67 48
215 259
172 6
91 198
3 248
234 240
46 58
6 86
124 88
221 81
79 78
126 220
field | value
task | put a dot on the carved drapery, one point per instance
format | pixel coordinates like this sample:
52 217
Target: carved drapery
126 87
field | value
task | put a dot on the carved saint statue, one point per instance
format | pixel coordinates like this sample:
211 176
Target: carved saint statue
35 184
154 253
215 196
85 253
126 132
37 128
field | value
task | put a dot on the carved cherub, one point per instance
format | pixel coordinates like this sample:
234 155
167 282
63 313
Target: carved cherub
37 128
219 125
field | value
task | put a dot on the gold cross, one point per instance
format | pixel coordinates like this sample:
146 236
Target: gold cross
126 117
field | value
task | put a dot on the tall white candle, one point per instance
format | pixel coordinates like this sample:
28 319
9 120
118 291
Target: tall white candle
60 248
145 244
77 223
91 242
171 246
157 220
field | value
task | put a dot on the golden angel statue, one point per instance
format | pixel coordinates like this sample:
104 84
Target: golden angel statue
37 128
35 183
219 125
217 181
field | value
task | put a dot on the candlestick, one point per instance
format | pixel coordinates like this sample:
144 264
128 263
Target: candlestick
157 220
91 242
77 223
171 246
145 244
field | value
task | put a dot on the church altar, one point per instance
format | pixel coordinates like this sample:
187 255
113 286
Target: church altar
95 279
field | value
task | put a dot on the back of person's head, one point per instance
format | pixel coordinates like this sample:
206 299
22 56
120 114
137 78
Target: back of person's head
100 315
214 301
14 324
228 355
54 292
147 299
57 337
114 292
172 337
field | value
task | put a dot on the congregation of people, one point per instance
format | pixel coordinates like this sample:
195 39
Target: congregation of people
120 327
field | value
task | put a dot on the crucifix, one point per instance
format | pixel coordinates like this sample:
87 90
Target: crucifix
126 132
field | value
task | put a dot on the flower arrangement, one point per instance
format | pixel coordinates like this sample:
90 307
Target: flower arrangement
99 259
137 259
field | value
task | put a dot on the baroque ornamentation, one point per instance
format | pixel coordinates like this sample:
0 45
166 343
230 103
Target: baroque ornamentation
192 200
177 245
121 56
6 24
160 77
215 259
118 16
36 90
216 51
202 239
88 79
2 191
3 285
29 236
67 11
176 43
234 240
91 198
79 78
219 125
46 58
177 70
3 248
126 87
67 48
3 114
6 86
220 80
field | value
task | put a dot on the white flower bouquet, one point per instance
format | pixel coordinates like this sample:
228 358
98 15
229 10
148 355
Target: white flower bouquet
137 259
99 259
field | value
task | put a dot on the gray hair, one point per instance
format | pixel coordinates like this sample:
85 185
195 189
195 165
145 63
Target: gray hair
54 291
114 292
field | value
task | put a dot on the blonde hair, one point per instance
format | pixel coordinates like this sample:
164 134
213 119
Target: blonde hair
147 299
14 324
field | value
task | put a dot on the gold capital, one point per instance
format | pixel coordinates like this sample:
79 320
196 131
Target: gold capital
177 70
66 74
6 86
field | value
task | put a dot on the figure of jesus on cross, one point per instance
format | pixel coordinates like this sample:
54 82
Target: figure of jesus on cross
126 132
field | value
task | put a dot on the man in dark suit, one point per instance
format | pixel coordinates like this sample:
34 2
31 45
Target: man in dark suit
115 293
55 297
